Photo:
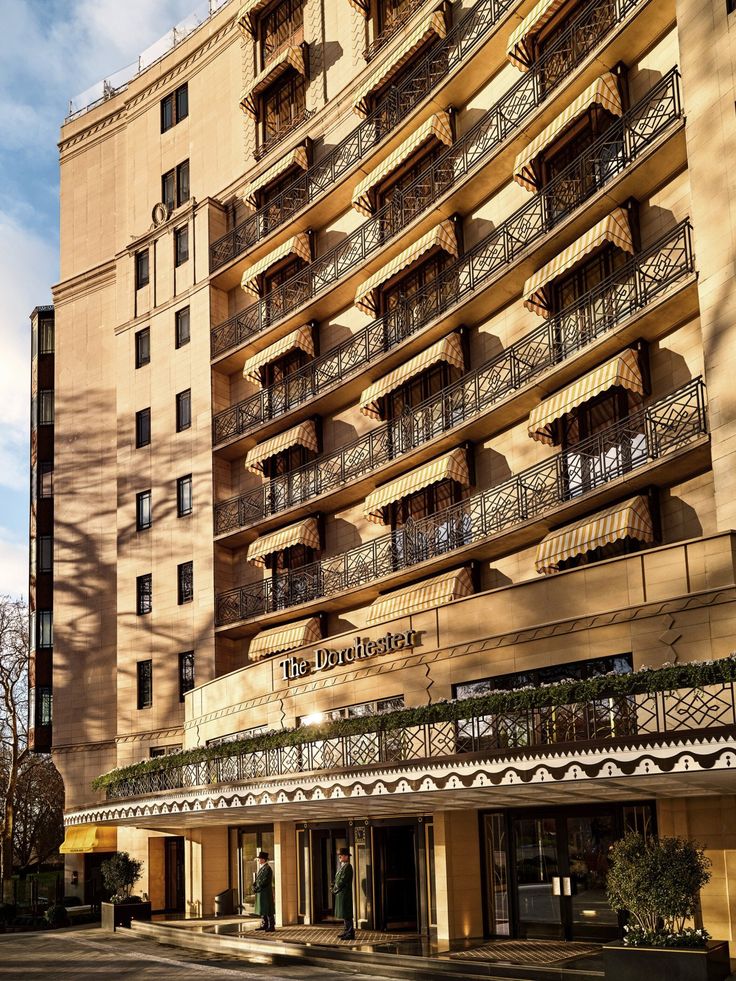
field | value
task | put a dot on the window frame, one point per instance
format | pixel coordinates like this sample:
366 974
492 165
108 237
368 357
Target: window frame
182 316
183 190
142 347
144 684
142 269
181 484
140 498
184 410
187 676
43 707
46 409
181 245
46 329
143 428
144 594
296 85
184 589
45 562
44 629
45 467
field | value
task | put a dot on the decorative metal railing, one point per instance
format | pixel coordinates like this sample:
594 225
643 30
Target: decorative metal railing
439 62
621 144
600 720
641 281
392 29
442 174
644 436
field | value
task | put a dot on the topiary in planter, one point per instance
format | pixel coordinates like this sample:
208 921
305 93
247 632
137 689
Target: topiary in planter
120 873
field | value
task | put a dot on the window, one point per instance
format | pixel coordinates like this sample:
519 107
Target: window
283 106
730 6
142 428
167 112
145 684
156 751
143 516
46 337
45 412
174 107
45 546
181 245
141 269
572 671
45 479
175 186
360 710
168 189
281 25
183 410
184 495
144 594
183 335
42 703
182 102
182 183
185 582
186 673
45 621
142 347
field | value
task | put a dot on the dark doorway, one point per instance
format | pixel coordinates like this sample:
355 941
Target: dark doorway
94 888
396 877
326 842
174 874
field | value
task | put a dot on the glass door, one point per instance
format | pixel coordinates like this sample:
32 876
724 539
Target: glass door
536 861
326 842
588 839
250 842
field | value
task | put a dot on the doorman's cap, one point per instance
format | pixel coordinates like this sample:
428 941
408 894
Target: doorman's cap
262 855
344 851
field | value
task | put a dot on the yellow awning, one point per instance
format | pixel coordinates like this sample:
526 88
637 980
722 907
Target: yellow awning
614 228
89 838
426 595
245 19
622 370
362 6
436 127
305 434
451 466
285 638
291 57
442 235
449 349
300 338
296 158
603 92
432 24
296 245
304 532
518 49
631 519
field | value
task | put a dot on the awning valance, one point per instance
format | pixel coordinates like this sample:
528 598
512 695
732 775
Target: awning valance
300 338
431 24
614 229
85 838
603 92
518 49
422 596
436 127
449 349
285 638
304 532
622 370
296 158
631 519
247 13
291 57
442 236
305 434
451 466
296 245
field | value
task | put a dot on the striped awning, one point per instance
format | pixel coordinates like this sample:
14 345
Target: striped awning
246 19
433 23
518 48
436 127
291 57
630 519
85 838
362 6
285 638
300 338
622 370
304 532
422 596
449 349
305 434
296 245
443 236
603 92
614 229
296 158
451 466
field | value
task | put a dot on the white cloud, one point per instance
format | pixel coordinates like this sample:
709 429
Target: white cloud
13 565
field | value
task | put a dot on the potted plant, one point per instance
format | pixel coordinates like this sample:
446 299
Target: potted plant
120 873
657 882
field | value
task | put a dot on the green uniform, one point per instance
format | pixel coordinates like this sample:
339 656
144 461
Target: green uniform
343 891
263 888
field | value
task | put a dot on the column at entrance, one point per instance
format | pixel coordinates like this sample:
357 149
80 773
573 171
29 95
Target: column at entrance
287 876
457 875
206 868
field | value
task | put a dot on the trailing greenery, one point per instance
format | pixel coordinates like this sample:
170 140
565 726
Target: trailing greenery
691 675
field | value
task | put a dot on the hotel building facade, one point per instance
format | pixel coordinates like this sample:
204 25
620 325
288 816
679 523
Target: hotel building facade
394 366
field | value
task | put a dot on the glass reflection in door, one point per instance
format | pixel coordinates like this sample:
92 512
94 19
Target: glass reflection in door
252 841
535 851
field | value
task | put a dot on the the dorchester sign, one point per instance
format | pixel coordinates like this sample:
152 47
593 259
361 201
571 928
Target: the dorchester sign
325 658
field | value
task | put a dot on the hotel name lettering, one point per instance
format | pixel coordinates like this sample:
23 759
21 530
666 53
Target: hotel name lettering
326 658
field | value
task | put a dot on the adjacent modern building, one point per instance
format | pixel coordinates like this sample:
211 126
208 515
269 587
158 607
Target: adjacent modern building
392 365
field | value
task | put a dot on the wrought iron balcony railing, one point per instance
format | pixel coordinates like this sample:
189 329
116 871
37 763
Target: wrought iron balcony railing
646 435
643 279
439 62
599 721
392 29
600 163
476 146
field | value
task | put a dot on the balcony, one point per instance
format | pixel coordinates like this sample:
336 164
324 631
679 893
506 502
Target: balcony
392 29
299 119
642 282
664 429
624 143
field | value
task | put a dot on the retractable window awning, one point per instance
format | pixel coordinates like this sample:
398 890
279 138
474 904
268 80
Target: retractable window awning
362 6
295 158
300 338
304 532
291 57
422 596
246 19
519 48
305 434
87 838
451 466
285 638
297 245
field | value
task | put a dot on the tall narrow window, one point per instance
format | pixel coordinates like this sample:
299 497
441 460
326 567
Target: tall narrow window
168 189
145 684
183 335
144 594
142 347
43 706
186 673
141 269
184 496
142 428
185 582
45 479
167 112
182 183
45 623
174 107
45 553
143 512
182 102
46 407
46 337
183 410
181 245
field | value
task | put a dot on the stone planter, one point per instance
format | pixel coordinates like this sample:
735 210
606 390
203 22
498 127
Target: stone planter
116 915
647 963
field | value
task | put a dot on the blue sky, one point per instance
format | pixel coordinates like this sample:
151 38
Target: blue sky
51 50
